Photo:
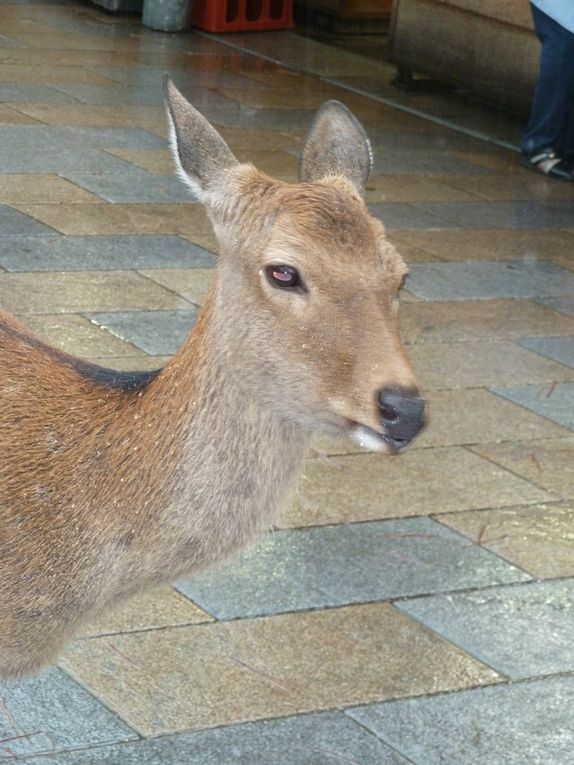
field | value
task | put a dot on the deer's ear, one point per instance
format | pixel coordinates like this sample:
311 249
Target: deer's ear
337 145
201 155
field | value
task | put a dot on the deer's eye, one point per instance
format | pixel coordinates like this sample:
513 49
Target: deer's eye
284 277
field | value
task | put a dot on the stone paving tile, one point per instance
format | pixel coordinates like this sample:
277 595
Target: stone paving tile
76 335
476 416
99 253
489 244
161 607
30 93
50 75
133 187
456 320
516 186
84 291
479 280
406 188
156 332
14 223
337 565
138 361
523 214
562 304
521 631
399 215
409 162
320 738
215 674
479 363
527 723
538 538
192 284
57 161
121 219
554 401
11 116
547 463
41 189
422 481
560 349
78 137
156 161
149 118
113 93
36 717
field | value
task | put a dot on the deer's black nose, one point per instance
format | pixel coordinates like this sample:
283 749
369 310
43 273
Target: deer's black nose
402 413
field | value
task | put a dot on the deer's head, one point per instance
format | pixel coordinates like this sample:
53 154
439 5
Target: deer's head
306 297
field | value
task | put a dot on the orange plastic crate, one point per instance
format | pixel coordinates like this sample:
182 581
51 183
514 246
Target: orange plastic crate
241 15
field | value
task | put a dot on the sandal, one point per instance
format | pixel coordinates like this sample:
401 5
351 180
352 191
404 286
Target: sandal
549 163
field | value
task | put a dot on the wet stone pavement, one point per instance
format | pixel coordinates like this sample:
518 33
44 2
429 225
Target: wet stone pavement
418 610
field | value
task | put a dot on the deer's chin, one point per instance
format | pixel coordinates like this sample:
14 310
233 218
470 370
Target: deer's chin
374 441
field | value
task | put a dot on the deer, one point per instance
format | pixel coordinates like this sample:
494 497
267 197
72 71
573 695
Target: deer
113 482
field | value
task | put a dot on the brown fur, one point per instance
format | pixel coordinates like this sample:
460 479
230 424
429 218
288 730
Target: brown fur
108 486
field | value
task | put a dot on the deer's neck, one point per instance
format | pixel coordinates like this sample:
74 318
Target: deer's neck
229 464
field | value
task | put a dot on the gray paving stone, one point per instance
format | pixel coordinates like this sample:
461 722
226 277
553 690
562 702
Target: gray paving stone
110 94
29 93
51 713
399 215
315 739
159 333
560 304
521 631
134 186
555 402
560 349
50 159
101 253
412 162
521 215
29 137
14 223
528 723
484 280
337 565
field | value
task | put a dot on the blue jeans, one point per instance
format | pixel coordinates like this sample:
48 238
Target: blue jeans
551 123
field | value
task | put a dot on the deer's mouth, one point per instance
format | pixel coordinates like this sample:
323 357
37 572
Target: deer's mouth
376 441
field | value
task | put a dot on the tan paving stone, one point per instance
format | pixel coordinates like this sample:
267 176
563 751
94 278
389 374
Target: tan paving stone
481 363
41 189
50 75
222 673
278 164
253 140
364 487
150 118
78 291
192 283
157 161
508 187
77 335
538 538
455 321
408 188
162 607
548 463
104 218
277 97
489 244
10 116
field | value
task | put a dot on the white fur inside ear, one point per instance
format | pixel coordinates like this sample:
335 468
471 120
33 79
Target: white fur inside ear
179 171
